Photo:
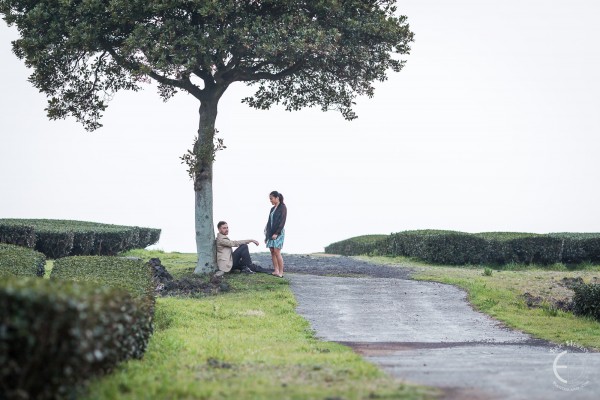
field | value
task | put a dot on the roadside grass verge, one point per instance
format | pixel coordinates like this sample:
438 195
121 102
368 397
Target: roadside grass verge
500 296
248 343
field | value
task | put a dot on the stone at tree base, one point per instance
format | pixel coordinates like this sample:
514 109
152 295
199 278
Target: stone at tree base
160 273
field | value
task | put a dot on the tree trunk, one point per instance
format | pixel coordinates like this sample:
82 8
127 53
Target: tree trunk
204 152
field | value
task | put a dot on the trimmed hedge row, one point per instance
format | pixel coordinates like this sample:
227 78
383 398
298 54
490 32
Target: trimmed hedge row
132 275
55 334
61 238
18 234
366 244
21 261
459 248
579 247
438 246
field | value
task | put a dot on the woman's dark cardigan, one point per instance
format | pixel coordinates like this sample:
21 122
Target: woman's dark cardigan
278 221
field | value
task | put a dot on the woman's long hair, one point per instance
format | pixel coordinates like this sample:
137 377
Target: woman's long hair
275 193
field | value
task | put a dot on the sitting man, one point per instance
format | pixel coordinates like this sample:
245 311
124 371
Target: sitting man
227 259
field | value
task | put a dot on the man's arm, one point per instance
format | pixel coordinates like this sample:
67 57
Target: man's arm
226 242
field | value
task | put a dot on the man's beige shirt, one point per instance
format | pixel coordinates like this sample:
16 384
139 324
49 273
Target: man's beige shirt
225 251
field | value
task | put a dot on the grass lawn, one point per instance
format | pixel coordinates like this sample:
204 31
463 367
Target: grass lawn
499 295
247 343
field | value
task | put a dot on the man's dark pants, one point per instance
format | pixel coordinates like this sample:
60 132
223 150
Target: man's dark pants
241 257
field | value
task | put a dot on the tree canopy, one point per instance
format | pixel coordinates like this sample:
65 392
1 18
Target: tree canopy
298 53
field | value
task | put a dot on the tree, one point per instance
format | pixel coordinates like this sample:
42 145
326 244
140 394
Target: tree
298 53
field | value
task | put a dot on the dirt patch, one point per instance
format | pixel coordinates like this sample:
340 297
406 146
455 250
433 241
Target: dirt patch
547 302
564 304
193 286
571 283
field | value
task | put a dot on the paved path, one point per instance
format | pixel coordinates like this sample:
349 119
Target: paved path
427 333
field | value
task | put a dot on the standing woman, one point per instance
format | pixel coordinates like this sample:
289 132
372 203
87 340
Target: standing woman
275 232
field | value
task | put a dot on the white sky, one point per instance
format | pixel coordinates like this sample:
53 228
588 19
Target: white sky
493 125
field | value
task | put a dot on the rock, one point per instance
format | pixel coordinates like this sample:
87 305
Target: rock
160 273
214 363
224 287
219 274
217 277
532 301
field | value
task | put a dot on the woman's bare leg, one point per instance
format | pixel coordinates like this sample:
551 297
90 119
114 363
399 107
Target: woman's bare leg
275 261
279 260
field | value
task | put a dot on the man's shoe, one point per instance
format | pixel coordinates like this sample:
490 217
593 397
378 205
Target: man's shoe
256 267
247 270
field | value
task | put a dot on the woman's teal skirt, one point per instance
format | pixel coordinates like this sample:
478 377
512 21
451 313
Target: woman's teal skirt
277 243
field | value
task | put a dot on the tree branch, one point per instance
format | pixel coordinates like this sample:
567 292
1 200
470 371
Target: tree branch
254 76
186 85
96 71
209 80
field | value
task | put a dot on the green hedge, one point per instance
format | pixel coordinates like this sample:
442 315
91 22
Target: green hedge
149 236
578 247
19 234
111 241
366 244
444 247
521 248
586 300
61 238
54 243
459 248
54 335
21 261
134 276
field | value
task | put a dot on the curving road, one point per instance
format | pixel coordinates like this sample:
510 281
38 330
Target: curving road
427 333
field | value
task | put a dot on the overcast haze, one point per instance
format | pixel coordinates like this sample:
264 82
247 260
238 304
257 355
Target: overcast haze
493 125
